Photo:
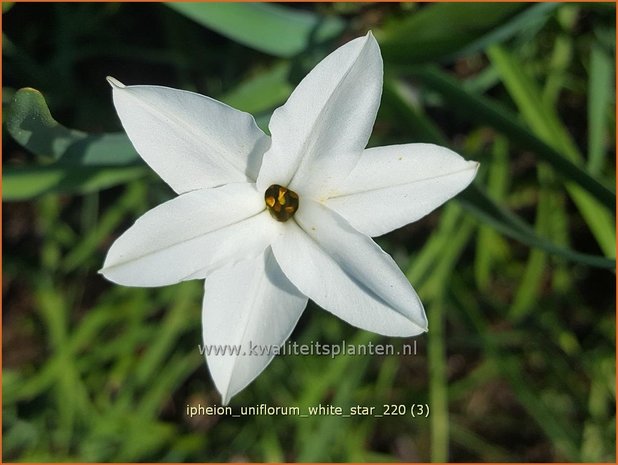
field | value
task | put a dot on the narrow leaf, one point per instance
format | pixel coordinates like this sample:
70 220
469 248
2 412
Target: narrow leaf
487 111
269 28
442 29
31 124
476 202
474 199
261 92
19 183
601 95
546 124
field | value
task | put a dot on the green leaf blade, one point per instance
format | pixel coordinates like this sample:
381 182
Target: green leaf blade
442 29
22 183
269 28
30 123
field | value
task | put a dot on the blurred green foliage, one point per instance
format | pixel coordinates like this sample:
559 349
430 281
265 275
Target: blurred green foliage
517 275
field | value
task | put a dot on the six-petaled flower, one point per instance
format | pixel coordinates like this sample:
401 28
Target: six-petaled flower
271 222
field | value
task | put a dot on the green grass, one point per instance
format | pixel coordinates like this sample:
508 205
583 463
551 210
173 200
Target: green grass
517 275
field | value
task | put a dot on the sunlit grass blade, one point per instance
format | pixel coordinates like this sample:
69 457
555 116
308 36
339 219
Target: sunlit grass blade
420 267
546 124
551 219
269 28
600 98
542 119
456 233
474 199
558 77
433 286
523 25
595 444
174 324
490 246
527 294
438 390
489 112
84 250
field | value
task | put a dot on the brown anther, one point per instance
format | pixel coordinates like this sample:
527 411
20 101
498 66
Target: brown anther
282 203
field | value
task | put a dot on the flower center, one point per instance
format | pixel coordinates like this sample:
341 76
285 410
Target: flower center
282 203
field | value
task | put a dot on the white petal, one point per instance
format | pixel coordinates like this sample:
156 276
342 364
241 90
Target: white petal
322 129
396 185
190 235
347 273
191 141
250 307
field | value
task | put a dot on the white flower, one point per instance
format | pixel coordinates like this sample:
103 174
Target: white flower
273 221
